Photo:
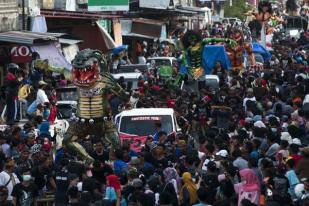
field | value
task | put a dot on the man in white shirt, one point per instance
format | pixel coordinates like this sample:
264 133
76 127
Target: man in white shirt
8 178
41 96
249 97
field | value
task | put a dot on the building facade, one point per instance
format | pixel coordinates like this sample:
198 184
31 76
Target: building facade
8 15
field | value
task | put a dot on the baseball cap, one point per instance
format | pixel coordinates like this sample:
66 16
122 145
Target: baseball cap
286 136
296 141
42 82
222 153
259 124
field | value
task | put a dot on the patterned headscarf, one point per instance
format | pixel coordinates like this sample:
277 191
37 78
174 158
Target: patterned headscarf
170 174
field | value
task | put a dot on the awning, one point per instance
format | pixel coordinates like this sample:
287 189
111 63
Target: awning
76 15
183 11
108 40
192 9
143 28
29 38
138 36
69 41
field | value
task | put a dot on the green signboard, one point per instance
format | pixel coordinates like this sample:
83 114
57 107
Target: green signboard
108 5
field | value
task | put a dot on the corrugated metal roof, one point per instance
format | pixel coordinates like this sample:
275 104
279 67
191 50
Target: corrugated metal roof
76 14
69 41
26 37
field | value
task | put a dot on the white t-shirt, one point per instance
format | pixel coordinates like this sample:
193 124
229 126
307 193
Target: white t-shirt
4 178
5 149
246 99
41 97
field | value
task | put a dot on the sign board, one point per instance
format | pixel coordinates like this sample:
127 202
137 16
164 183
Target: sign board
158 4
20 54
108 5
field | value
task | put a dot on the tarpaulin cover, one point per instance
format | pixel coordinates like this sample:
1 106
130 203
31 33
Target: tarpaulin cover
212 54
53 54
119 49
258 48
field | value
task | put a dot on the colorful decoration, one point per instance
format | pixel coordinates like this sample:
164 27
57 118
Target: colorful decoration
194 45
236 53
93 114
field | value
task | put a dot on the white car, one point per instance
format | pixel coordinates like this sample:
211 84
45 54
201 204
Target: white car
129 78
162 61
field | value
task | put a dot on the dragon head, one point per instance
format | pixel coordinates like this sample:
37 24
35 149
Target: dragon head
87 66
236 34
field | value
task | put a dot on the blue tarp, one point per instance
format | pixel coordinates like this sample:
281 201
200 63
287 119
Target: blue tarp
258 48
119 49
212 54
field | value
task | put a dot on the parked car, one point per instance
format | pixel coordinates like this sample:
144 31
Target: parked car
162 61
130 79
232 21
67 102
212 81
132 68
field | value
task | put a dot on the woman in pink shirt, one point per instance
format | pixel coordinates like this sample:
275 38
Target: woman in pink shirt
249 188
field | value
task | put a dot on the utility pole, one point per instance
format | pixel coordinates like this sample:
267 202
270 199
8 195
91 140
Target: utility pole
23 15
231 3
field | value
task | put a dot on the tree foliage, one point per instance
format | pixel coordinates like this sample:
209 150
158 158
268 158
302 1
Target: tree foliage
237 9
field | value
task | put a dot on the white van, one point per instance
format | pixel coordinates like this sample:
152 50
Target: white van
136 124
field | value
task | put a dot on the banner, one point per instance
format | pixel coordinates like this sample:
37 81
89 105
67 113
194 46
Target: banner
136 142
108 5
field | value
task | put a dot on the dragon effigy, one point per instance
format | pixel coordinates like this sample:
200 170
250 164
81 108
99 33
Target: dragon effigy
236 53
93 114
194 45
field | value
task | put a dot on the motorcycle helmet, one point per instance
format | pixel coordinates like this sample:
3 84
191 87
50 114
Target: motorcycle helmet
13 68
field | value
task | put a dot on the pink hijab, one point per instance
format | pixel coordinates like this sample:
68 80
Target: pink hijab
251 180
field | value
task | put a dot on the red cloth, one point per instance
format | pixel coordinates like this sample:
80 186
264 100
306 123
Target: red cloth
141 90
113 181
156 87
171 103
296 158
10 77
52 115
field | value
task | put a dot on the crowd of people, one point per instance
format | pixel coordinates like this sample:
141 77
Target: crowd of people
243 144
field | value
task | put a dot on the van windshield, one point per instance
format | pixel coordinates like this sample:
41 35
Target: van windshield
145 125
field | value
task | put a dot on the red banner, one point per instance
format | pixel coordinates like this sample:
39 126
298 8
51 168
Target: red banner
20 54
136 142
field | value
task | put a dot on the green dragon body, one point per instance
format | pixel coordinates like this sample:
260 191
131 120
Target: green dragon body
93 114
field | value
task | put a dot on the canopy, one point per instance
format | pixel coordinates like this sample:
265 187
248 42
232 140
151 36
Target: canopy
212 54
258 48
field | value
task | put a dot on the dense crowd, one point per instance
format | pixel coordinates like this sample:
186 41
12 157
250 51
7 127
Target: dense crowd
243 144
